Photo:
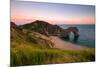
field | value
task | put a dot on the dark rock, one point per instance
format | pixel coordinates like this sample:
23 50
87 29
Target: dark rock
51 30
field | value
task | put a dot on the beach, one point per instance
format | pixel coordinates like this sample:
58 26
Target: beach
65 45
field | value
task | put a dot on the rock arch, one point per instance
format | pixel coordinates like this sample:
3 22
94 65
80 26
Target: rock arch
68 31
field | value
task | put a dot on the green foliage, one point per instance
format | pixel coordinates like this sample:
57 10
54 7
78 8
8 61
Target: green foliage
28 55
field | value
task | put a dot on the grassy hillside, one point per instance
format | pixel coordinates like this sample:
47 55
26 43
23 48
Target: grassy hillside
28 55
29 47
18 37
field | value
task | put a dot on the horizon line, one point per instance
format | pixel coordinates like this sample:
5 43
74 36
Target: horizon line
53 24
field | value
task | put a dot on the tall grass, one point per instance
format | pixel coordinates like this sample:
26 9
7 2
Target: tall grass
28 55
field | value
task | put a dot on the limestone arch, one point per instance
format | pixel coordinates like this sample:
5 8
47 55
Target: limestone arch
75 31
68 32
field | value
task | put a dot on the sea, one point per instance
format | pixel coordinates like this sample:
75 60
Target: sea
86 32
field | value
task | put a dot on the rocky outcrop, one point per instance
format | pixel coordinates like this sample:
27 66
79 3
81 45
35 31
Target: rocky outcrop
75 31
43 28
51 30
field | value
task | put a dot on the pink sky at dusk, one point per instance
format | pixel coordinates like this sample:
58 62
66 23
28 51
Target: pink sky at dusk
27 12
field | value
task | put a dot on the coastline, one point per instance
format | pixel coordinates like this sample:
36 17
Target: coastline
65 45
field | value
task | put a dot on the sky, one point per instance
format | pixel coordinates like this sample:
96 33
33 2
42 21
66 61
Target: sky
23 12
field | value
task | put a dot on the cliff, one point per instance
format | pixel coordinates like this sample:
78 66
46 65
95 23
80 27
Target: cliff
47 29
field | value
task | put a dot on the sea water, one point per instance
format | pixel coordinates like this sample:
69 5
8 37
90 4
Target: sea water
86 32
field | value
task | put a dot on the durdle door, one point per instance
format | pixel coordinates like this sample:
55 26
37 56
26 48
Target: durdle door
70 30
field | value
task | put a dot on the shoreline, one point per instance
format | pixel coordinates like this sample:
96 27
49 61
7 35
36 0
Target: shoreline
65 45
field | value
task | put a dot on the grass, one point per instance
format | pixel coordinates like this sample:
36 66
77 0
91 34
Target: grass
28 55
